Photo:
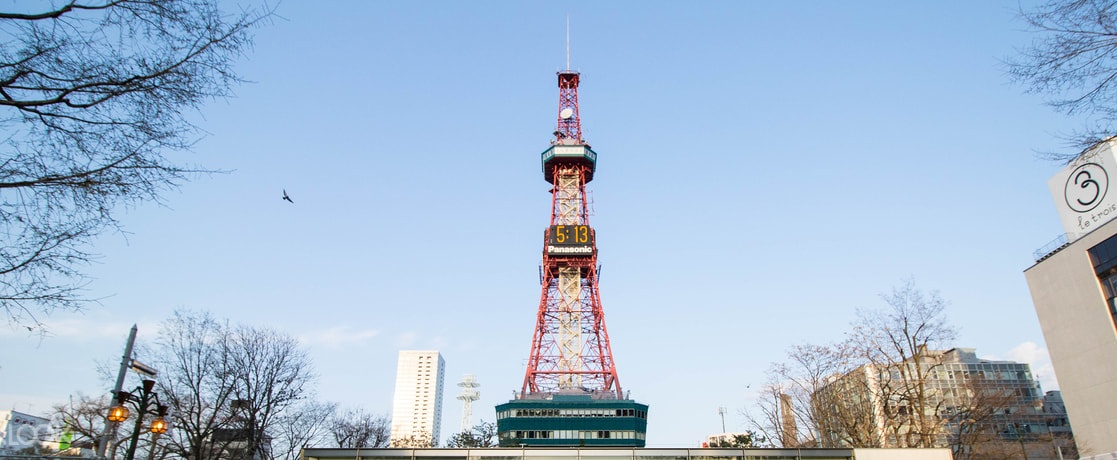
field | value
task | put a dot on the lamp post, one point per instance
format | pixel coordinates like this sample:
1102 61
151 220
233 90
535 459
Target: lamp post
145 401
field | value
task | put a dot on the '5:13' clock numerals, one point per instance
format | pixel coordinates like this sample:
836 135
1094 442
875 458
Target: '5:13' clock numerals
571 234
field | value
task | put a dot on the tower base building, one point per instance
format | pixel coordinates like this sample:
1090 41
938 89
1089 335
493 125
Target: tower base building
571 420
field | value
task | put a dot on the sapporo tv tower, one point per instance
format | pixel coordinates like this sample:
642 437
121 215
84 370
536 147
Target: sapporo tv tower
571 394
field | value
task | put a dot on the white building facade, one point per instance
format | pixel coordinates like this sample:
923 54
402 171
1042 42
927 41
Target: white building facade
417 404
21 431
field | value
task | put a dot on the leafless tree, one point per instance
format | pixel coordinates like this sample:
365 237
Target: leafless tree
95 94
767 414
192 354
306 425
271 375
845 413
1074 61
803 406
229 388
871 390
360 429
85 418
895 342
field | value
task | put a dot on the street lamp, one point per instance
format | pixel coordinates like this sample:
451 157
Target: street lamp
144 400
159 425
118 413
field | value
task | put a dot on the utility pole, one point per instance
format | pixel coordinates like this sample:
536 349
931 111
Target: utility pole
109 433
721 411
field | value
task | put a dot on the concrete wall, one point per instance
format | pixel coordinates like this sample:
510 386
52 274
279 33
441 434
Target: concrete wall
1081 339
905 454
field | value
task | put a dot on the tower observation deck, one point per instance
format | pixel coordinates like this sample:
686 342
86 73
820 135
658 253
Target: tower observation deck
571 395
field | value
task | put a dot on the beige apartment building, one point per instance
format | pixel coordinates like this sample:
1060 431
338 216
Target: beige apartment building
1074 286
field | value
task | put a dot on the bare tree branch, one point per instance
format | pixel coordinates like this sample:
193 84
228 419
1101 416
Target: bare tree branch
1074 63
93 97
56 13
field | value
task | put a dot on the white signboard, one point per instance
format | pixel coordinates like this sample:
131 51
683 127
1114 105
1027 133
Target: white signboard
1086 191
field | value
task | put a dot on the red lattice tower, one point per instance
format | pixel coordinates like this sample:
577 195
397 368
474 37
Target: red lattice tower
570 351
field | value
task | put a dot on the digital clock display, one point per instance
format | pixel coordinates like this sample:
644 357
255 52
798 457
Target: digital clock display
570 240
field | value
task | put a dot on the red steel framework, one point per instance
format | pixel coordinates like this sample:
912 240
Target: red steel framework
570 351
569 127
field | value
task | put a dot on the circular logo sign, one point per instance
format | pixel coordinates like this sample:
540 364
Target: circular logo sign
1086 187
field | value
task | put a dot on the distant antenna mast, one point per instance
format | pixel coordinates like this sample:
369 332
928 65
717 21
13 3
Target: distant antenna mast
469 394
721 411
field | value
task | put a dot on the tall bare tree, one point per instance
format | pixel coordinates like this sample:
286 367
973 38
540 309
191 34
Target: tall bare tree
1074 62
845 413
803 406
193 356
85 418
94 95
360 429
306 425
271 374
230 388
769 418
872 390
895 342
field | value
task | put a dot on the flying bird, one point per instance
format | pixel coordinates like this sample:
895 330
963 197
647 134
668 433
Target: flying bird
285 197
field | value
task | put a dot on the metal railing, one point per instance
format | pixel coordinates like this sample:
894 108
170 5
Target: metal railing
1052 247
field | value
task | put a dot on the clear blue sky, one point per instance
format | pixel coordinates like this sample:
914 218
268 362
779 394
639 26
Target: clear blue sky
765 169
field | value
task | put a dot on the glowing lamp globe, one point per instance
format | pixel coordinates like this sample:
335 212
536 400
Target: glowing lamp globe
118 413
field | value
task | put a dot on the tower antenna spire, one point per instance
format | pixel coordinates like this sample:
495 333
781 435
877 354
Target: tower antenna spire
567 42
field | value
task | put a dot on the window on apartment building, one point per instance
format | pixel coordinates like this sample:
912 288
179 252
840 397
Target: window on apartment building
1104 255
1104 258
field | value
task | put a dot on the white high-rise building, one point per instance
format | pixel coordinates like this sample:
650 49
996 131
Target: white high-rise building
417 405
